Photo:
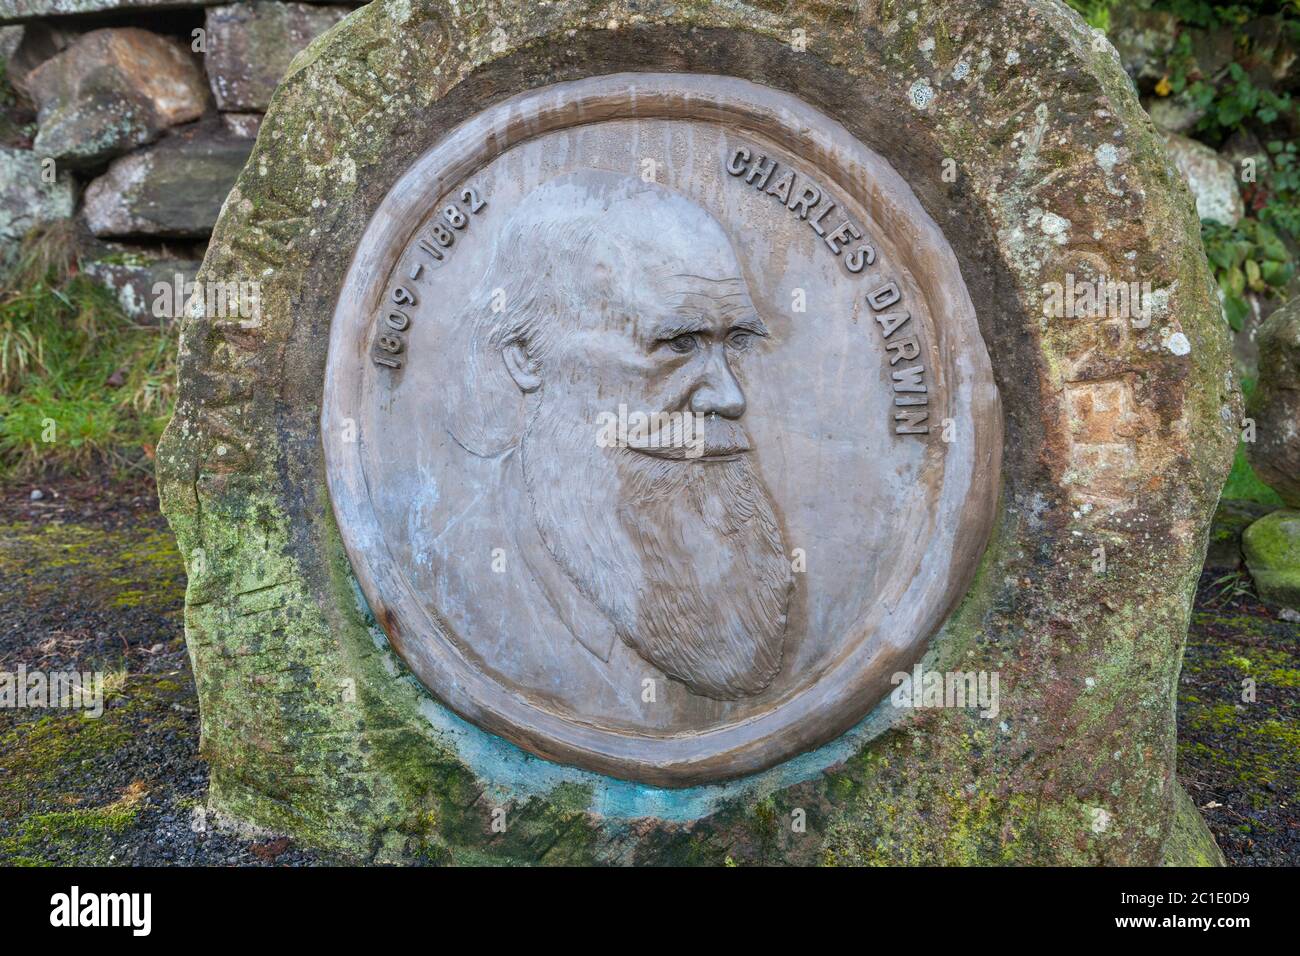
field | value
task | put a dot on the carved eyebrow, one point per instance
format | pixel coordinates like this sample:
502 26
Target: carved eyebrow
679 325
750 323
682 325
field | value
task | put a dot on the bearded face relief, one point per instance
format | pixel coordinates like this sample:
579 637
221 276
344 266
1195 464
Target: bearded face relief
675 538
642 475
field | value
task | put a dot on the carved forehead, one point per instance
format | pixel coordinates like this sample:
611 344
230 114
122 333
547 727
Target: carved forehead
633 232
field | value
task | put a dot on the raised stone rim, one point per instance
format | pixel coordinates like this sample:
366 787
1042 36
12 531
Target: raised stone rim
813 712
272 600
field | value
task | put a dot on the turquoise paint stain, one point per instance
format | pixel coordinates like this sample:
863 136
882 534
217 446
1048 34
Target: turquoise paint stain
512 773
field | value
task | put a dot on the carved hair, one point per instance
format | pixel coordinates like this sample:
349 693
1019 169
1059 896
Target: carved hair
552 260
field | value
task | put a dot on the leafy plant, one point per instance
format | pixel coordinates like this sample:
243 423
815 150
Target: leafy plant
1095 12
1228 101
1246 257
1236 99
1281 198
1228 587
1206 14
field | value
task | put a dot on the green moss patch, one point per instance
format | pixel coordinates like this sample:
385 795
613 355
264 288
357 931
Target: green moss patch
1272 549
125 567
1239 725
77 837
70 782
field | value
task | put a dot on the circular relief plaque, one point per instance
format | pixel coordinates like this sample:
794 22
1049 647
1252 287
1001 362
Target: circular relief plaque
658 424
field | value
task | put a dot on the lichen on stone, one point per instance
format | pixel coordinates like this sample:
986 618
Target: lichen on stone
309 725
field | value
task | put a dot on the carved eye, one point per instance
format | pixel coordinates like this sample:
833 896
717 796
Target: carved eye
683 343
740 340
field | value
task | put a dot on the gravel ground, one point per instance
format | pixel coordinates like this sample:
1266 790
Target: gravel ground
90 581
1239 722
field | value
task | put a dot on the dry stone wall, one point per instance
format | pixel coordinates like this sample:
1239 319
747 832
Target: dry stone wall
135 117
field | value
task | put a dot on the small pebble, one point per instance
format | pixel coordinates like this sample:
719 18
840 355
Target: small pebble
37 494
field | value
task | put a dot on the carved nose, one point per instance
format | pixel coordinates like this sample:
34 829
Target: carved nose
718 392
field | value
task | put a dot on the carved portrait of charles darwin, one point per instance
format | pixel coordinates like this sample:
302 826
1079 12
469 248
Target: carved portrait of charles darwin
606 298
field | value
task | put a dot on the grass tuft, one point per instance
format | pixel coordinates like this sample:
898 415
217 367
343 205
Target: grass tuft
1243 484
81 385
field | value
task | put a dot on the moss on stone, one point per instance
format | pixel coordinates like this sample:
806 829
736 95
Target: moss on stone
47 761
1272 549
1190 842
35 753
334 744
1238 750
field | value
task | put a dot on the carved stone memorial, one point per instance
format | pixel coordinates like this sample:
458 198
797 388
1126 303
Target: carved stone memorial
658 440
583 407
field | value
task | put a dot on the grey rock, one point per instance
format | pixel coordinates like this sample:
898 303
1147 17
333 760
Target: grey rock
1146 38
1211 178
17 122
1275 52
24 11
10 38
1231 519
1275 405
1212 50
147 283
111 91
250 47
27 199
1175 114
243 125
37 43
1143 39
28 11
1244 145
174 189
1272 549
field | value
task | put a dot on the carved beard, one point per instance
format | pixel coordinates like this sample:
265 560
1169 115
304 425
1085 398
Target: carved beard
686 558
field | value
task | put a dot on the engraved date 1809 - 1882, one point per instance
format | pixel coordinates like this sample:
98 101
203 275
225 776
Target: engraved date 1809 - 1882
434 245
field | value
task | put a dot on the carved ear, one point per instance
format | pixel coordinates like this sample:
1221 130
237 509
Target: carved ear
522 369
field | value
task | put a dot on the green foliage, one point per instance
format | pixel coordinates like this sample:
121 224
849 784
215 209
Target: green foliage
1252 257
1231 102
1246 257
1096 12
1243 484
80 384
1198 13
1207 14
1280 192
